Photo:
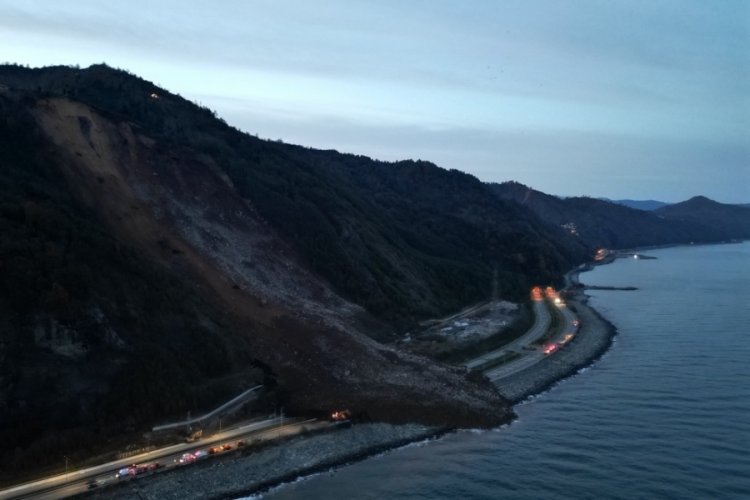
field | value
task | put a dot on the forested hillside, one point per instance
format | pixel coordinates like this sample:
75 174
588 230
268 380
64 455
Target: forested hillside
731 220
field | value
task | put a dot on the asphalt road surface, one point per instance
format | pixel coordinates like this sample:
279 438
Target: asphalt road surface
77 481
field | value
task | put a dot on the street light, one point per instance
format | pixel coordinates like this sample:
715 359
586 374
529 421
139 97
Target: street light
66 464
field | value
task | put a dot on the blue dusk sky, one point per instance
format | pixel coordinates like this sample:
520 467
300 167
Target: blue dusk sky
623 99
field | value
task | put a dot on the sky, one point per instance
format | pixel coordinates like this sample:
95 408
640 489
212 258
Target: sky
618 99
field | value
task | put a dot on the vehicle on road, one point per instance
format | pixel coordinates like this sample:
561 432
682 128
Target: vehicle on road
340 415
136 469
550 348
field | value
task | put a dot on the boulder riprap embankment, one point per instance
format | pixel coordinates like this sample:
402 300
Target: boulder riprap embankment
235 476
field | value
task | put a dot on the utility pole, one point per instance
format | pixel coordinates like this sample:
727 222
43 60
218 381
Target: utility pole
495 283
278 428
66 464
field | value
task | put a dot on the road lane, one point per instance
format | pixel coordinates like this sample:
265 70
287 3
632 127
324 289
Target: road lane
106 471
542 319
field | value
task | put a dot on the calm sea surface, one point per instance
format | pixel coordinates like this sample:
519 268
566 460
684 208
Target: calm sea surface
664 414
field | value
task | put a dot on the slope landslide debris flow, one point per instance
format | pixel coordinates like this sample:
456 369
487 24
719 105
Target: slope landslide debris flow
157 260
309 454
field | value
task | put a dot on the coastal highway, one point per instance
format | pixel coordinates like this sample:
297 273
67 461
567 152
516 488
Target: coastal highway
567 325
77 481
542 321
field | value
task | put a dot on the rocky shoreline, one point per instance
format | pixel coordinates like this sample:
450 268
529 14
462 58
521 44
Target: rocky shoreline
243 475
